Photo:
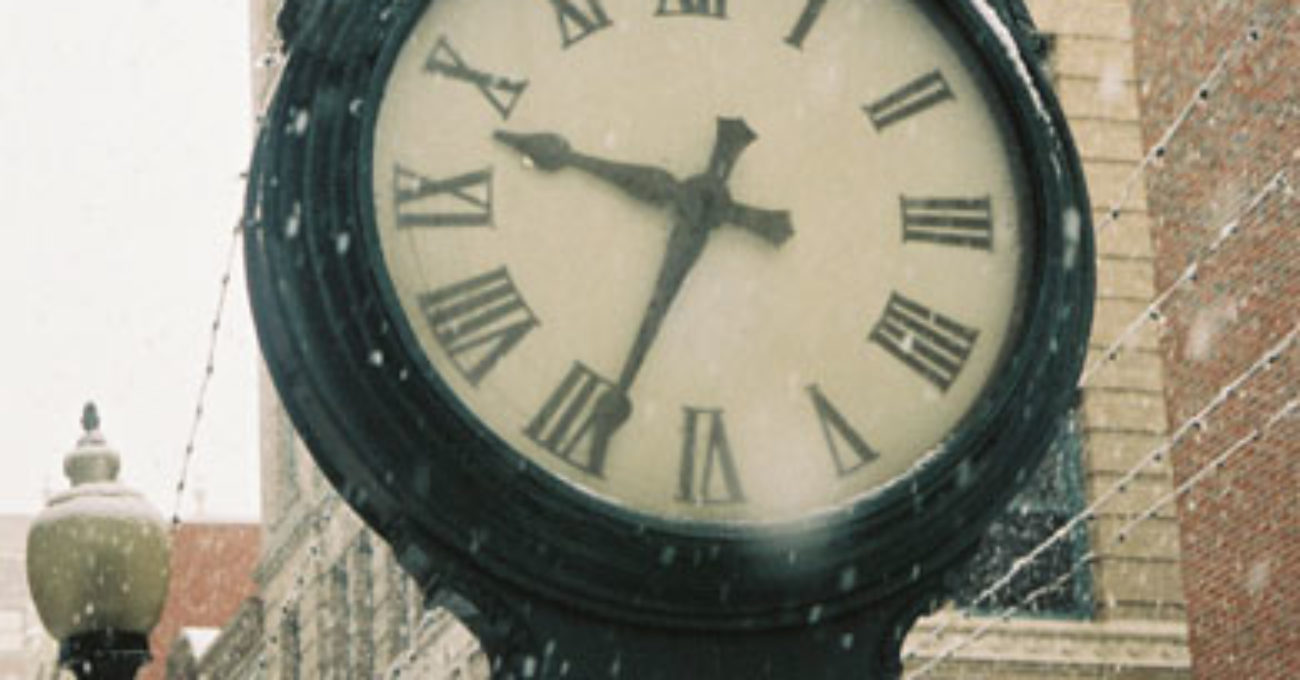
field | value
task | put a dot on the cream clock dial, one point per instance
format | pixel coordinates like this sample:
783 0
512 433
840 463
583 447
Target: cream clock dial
710 262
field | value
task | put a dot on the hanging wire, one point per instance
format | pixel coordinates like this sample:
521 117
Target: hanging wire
269 61
1195 423
1156 152
209 369
1153 311
1200 95
1218 463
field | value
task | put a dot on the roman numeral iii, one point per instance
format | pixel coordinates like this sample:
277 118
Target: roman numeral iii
579 20
501 92
478 321
567 423
965 222
708 472
932 345
909 100
700 8
460 201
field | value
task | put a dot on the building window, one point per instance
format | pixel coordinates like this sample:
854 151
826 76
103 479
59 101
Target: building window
1060 586
290 644
286 465
361 632
333 619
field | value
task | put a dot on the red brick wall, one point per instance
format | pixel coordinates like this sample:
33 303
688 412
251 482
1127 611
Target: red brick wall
1241 526
212 573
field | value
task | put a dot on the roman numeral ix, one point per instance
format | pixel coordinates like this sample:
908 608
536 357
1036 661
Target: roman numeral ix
501 92
708 470
478 321
965 222
932 345
909 100
460 201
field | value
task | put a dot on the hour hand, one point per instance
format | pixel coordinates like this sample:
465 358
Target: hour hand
772 225
551 152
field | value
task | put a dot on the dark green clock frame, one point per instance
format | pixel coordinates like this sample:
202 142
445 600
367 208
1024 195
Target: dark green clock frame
527 562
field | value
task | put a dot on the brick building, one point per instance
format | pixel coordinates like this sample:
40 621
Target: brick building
1240 528
211 576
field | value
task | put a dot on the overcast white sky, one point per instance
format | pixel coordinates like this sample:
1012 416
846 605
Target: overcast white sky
124 127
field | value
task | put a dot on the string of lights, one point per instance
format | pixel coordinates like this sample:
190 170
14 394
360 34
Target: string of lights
268 61
1193 424
1189 275
1200 96
1216 464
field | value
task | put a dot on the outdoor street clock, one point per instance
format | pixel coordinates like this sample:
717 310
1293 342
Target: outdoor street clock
676 338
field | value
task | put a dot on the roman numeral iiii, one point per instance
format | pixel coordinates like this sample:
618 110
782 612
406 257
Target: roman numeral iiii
932 345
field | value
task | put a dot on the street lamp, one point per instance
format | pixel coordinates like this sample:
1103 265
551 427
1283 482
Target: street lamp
98 563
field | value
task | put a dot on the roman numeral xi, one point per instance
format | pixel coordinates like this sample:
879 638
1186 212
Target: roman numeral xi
579 20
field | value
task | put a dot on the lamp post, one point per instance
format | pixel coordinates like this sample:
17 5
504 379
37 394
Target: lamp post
98 563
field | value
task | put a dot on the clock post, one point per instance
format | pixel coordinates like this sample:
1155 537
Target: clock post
672 339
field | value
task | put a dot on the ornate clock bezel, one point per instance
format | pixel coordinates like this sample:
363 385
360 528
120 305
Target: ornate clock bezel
436 484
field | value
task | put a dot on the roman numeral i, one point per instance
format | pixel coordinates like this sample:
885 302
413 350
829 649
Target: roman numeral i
909 100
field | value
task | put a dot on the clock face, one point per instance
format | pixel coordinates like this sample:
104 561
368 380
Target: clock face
728 263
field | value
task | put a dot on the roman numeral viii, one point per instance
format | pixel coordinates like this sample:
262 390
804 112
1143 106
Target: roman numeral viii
708 470
909 100
847 448
932 345
700 8
577 23
567 424
966 222
460 201
501 92
478 321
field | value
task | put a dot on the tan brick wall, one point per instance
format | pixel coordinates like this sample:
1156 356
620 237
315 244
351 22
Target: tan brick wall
1241 526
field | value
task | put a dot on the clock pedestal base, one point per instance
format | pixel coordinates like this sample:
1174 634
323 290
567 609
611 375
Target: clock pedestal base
528 638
